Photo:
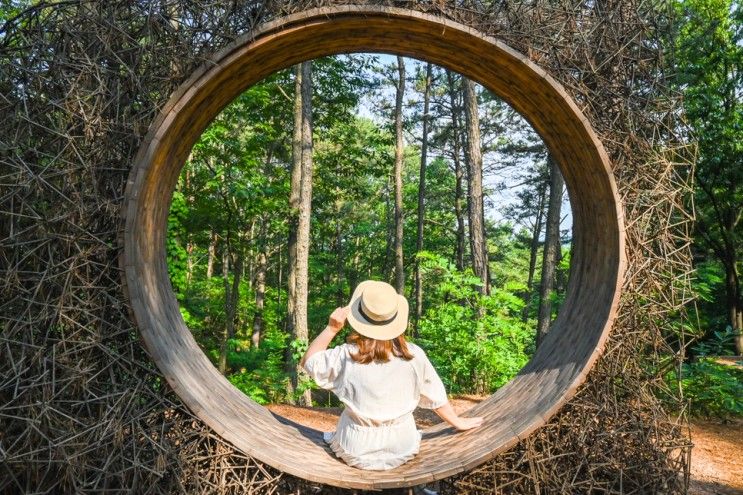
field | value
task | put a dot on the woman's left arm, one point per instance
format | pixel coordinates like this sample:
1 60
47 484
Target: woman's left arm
320 343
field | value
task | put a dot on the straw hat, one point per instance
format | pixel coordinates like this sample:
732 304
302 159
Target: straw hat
377 311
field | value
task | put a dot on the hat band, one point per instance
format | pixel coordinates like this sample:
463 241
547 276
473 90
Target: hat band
372 321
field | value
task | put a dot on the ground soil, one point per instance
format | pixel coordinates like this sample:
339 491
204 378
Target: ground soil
717 457
716 460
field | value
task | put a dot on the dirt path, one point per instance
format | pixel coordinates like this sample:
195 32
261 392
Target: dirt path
717 458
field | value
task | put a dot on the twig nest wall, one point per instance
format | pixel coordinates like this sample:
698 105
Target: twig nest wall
517 409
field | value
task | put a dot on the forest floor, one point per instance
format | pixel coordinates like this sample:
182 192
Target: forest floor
716 460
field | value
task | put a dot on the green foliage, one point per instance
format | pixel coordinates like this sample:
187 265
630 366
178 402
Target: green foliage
471 355
298 347
709 286
175 241
9 9
708 57
260 372
713 388
232 203
721 344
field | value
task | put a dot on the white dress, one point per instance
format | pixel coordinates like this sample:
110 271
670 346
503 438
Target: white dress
376 429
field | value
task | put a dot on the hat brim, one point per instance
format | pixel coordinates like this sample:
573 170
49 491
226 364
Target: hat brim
380 332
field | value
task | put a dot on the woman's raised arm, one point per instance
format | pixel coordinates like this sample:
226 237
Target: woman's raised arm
320 343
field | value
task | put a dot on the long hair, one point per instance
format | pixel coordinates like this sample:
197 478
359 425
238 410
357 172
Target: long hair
378 350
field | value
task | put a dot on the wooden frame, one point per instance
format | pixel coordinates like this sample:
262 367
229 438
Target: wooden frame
517 409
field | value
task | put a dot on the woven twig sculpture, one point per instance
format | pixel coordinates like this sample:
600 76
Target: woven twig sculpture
83 408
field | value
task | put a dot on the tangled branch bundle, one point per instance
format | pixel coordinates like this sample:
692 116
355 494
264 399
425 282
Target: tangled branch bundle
82 407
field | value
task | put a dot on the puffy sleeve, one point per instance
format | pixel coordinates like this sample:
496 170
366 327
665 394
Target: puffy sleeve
432 390
326 366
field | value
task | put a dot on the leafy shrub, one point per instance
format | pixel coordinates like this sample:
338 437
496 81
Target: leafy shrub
721 344
712 388
472 355
260 372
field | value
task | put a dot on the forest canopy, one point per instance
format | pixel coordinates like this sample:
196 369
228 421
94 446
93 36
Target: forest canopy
360 167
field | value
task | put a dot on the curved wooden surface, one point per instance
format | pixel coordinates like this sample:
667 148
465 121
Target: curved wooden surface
524 404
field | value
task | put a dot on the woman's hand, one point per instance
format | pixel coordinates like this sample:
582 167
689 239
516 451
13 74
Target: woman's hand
447 413
335 323
467 423
338 318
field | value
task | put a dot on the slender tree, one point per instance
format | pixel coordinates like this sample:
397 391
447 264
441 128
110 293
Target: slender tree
536 233
551 246
260 286
302 198
476 210
422 193
399 160
211 253
456 152
231 298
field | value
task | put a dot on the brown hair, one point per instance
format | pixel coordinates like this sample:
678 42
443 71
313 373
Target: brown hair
378 350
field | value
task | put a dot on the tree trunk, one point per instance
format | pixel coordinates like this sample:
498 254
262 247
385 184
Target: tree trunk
211 254
294 198
353 275
231 299
301 331
421 199
190 245
234 295
473 155
458 172
260 297
226 284
250 256
735 300
189 260
534 250
340 262
551 245
279 277
560 274
388 265
399 158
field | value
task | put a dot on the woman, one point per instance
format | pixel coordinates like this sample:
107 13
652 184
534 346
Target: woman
380 378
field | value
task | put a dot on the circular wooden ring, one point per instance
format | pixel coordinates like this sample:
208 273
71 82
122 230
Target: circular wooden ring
560 364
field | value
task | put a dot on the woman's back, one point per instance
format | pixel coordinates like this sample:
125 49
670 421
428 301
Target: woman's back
378 391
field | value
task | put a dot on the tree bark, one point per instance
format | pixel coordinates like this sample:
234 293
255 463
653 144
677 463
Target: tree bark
304 161
260 298
534 250
353 274
340 262
421 199
189 260
734 301
226 284
231 299
294 199
212 250
458 171
399 158
475 206
551 245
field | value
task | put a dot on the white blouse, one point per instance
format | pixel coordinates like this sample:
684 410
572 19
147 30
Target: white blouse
376 429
